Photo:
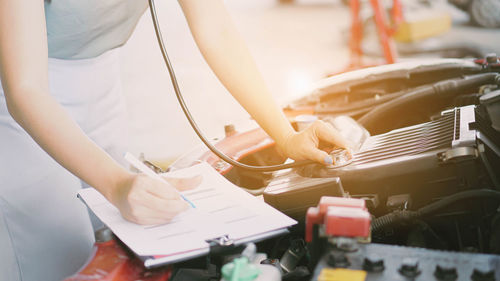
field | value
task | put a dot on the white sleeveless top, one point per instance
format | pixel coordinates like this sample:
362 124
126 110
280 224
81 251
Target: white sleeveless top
79 29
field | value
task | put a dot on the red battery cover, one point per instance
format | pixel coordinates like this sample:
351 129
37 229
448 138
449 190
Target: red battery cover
347 222
352 220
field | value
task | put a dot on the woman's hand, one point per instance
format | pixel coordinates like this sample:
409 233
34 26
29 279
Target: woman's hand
144 200
304 145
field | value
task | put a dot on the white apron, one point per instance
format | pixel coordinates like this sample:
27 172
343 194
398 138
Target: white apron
45 231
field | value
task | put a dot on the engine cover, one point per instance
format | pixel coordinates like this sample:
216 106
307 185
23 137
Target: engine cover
426 161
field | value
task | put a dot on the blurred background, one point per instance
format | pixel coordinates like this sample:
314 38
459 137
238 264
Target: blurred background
294 43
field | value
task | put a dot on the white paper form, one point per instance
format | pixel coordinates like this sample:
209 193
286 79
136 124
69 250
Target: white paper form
221 209
180 235
241 214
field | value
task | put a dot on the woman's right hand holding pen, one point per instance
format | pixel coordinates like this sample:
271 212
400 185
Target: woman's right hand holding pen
145 200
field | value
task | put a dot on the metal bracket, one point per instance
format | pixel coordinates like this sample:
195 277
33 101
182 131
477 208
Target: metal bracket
458 154
463 135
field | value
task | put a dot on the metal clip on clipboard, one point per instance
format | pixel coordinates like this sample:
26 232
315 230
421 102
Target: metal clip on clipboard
220 245
224 244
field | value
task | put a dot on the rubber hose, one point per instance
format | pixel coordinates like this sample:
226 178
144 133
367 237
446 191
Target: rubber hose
405 215
442 88
469 194
392 218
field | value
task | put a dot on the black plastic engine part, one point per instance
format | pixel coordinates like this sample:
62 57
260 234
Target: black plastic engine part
491 101
293 194
293 255
196 274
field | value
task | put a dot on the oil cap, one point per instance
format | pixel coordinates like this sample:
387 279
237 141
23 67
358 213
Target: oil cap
240 270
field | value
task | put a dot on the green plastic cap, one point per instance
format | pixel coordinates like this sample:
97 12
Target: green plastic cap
240 270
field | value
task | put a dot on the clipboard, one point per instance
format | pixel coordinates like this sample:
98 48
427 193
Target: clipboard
224 212
156 261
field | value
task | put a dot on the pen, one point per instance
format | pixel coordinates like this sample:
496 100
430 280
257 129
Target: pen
136 163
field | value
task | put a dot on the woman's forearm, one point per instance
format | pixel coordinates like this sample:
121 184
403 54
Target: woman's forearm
227 54
139 198
56 132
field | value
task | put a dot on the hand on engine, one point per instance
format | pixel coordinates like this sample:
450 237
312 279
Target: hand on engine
304 145
144 200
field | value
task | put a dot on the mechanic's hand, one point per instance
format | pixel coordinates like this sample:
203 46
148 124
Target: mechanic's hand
144 200
304 145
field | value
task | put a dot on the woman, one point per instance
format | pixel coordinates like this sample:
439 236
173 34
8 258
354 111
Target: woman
62 120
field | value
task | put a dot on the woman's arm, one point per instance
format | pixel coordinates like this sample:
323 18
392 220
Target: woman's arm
227 55
23 72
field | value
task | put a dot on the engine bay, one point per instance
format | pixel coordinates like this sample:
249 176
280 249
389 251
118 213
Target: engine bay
432 141
427 169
